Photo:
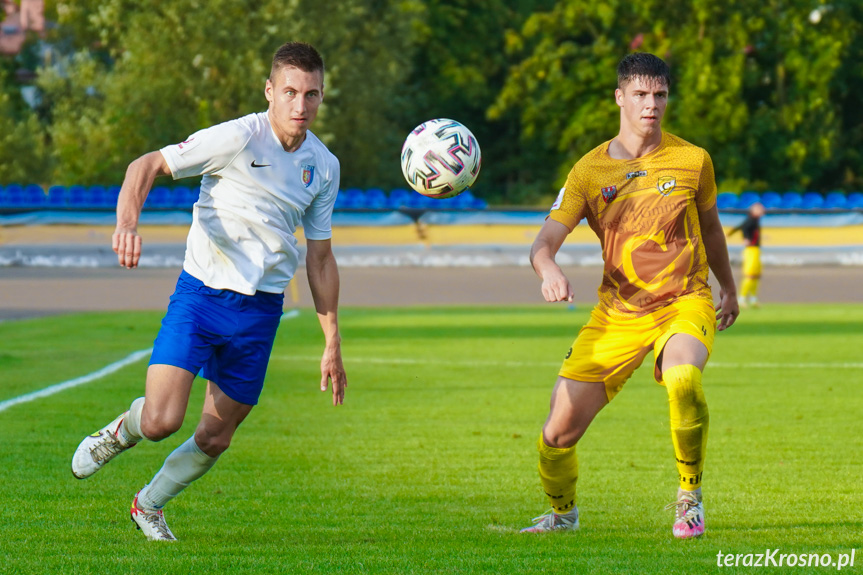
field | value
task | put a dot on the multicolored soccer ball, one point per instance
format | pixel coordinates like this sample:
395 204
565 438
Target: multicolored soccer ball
441 158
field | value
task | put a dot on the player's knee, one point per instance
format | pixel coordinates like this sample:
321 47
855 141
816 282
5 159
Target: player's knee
157 427
212 445
683 383
561 438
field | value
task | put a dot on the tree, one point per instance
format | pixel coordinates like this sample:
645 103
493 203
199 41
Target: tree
458 68
753 82
22 149
148 73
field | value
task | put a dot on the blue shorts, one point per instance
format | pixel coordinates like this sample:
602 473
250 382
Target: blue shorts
228 334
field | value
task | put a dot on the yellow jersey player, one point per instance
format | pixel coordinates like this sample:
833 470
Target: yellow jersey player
751 228
650 197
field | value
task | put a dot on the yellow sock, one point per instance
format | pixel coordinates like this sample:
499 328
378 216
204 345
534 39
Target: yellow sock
753 287
558 471
747 288
689 422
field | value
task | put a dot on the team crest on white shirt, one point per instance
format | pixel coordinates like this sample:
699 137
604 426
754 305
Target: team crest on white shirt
308 174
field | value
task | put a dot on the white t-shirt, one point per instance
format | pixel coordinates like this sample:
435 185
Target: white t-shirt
254 194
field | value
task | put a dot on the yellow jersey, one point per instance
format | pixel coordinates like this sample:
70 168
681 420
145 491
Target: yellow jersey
645 213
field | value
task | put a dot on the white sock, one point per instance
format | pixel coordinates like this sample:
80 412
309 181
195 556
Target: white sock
185 464
697 493
130 431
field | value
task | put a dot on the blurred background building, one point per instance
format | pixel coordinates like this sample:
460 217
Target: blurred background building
29 16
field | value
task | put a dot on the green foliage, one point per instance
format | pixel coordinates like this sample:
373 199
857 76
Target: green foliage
146 74
22 149
430 465
770 88
762 85
459 66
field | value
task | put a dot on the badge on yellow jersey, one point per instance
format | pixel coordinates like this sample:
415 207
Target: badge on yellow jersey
665 184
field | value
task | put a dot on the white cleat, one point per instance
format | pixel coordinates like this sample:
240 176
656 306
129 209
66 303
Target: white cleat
151 523
98 449
552 521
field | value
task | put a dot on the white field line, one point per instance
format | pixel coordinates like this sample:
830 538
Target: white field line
107 370
290 314
58 387
490 363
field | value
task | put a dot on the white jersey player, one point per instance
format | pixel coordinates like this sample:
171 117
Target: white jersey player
263 175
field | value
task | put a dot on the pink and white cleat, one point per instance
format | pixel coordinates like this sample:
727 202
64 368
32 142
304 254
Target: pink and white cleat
552 521
689 515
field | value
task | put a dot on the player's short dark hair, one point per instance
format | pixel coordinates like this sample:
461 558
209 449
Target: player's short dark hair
299 55
642 65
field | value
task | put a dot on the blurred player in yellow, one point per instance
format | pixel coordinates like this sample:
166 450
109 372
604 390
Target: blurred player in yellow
751 228
650 197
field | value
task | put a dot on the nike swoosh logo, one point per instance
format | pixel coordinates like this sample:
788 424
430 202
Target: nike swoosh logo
254 165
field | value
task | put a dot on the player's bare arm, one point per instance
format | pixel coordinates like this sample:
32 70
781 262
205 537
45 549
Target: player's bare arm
140 176
555 285
323 276
717 258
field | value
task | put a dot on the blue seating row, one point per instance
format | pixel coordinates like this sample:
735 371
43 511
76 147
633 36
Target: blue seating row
90 197
181 197
791 200
377 199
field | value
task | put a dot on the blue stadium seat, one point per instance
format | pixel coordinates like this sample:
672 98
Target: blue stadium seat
771 200
34 196
13 196
854 201
812 201
836 200
375 199
180 197
747 199
96 197
419 201
159 197
76 197
479 204
464 201
446 204
57 197
398 198
726 201
791 200
194 194
354 199
111 196
340 200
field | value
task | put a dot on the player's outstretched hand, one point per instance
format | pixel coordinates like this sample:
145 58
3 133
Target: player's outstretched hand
127 245
555 287
727 310
333 370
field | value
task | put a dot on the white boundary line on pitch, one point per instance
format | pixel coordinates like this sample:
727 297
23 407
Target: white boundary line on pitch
58 387
107 370
487 363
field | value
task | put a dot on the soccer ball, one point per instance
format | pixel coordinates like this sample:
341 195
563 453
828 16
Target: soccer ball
440 158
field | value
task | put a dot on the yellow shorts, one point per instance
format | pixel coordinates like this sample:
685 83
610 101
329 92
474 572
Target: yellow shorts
752 261
610 350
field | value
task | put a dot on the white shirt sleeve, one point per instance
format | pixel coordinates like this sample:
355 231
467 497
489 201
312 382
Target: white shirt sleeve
317 221
206 151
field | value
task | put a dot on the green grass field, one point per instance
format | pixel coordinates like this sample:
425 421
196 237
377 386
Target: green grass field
430 466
